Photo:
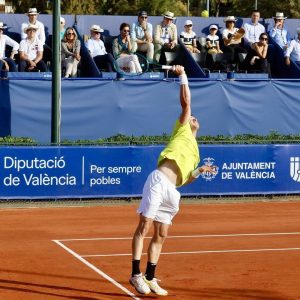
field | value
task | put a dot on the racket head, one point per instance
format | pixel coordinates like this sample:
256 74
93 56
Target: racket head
138 62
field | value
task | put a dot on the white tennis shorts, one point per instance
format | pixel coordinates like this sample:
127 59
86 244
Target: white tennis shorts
160 200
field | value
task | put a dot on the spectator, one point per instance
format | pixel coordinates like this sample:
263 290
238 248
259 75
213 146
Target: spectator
62 27
123 50
256 58
31 51
7 63
141 33
97 49
232 38
32 16
278 32
253 30
293 51
70 52
188 37
165 36
212 40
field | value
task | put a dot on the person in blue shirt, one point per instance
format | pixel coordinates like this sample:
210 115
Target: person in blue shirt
141 33
278 32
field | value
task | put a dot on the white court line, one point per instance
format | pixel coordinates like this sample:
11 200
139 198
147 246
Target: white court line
198 252
104 275
190 236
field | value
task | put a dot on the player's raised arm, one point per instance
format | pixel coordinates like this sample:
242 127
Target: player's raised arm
185 95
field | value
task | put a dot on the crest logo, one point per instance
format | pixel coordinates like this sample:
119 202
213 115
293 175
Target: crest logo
295 168
209 161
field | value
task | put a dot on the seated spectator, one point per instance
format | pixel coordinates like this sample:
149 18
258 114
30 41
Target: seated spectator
293 51
7 63
70 52
256 59
141 33
212 40
165 36
188 37
31 52
253 30
123 50
32 20
97 49
278 32
62 27
232 38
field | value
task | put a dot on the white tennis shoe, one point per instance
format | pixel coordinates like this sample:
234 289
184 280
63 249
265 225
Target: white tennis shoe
155 288
140 285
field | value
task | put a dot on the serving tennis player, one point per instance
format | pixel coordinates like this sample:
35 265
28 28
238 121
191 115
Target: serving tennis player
177 166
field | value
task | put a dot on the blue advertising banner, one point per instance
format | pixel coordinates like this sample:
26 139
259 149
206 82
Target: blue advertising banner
89 172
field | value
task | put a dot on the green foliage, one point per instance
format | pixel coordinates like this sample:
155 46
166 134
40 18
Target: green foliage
240 8
272 138
23 141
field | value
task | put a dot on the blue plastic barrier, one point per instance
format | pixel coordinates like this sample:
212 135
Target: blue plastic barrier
88 172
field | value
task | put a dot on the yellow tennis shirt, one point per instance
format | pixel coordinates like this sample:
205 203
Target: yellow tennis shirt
183 149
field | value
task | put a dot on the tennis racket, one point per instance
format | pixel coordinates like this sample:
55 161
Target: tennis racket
137 64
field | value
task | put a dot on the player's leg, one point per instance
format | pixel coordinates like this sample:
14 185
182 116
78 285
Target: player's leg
152 197
136 278
154 250
138 238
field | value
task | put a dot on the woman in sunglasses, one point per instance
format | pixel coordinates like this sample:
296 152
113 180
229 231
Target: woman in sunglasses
256 59
123 50
70 52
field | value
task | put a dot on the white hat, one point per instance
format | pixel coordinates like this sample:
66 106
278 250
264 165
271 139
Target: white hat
279 16
298 30
169 15
2 26
62 20
32 11
213 27
230 18
188 22
96 28
31 26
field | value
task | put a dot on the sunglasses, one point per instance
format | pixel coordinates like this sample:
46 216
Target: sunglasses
190 25
264 39
70 33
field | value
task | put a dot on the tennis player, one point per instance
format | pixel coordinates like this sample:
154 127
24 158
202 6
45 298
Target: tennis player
177 166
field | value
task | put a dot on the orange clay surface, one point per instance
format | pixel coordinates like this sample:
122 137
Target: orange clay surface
206 256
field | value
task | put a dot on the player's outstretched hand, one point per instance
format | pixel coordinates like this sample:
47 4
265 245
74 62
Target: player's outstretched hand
209 169
178 70
203 169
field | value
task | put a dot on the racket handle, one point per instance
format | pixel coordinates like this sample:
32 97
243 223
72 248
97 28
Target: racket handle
164 67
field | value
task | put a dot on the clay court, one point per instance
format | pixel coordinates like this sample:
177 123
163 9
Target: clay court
248 250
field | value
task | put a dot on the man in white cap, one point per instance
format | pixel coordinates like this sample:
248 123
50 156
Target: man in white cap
293 51
165 36
188 37
253 30
31 51
32 20
7 63
278 32
97 49
141 33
